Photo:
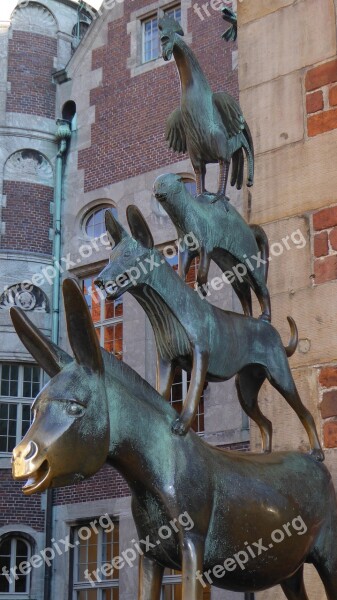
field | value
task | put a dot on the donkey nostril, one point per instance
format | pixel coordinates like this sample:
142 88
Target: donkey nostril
31 451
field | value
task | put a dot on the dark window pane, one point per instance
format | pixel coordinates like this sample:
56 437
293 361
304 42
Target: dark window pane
4 388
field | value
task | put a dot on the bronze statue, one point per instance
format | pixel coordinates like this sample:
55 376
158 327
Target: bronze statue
230 16
210 127
195 335
245 522
239 249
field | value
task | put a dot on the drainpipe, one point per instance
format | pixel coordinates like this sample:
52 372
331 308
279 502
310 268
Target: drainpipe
62 137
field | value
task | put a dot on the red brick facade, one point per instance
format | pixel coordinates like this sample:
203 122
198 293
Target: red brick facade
15 508
325 244
131 111
328 406
107 483
32 91
27 217
321 98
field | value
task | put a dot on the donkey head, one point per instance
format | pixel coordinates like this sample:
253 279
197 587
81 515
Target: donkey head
169 32
69 437
131 259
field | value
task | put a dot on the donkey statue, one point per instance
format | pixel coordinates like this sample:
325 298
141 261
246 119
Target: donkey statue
222 235
255 519
195 335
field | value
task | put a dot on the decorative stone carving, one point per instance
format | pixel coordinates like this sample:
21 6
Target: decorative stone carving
29 165
35 18
25 297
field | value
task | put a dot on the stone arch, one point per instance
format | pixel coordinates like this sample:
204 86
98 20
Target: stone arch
35 18
29 165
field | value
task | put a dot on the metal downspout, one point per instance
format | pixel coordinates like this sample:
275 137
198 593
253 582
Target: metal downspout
62 137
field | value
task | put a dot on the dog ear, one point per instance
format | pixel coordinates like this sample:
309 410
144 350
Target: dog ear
114 228
138 226
81 331
48 355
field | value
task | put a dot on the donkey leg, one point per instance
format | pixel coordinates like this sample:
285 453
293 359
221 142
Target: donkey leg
285 384
248 384
325 554
293 587
192 565
150 579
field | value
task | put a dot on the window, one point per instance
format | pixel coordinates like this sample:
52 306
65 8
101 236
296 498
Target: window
172 587
19 385
107 316
13 552
90 555
95 221
150 36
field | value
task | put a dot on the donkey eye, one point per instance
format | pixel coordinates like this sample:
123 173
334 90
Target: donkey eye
75 410
127 253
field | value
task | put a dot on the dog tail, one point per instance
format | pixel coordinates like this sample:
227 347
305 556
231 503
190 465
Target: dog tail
290 349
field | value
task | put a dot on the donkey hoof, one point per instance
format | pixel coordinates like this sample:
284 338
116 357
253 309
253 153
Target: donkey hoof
317 454
178 427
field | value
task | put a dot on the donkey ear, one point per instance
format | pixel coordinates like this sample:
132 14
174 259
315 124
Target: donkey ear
49 356
115 229
139 228
81 330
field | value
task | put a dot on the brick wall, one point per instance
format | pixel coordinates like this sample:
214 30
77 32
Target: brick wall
325 244
30 65
27 217
328 405
15 508
321 98
107 483
128 134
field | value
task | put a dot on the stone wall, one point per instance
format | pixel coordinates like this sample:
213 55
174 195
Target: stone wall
287 78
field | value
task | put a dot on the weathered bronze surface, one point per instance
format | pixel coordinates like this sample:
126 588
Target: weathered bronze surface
222 235
231 33
195 335
210 127
249 521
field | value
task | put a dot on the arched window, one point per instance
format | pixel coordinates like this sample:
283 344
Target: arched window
94 221
14 554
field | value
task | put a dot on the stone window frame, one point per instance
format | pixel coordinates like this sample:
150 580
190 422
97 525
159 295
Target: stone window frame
18 399
134 29
13 537
98 534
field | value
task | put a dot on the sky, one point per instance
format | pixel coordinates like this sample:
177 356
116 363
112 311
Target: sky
7 7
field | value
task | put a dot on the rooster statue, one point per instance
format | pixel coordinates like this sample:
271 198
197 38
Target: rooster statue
209 126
